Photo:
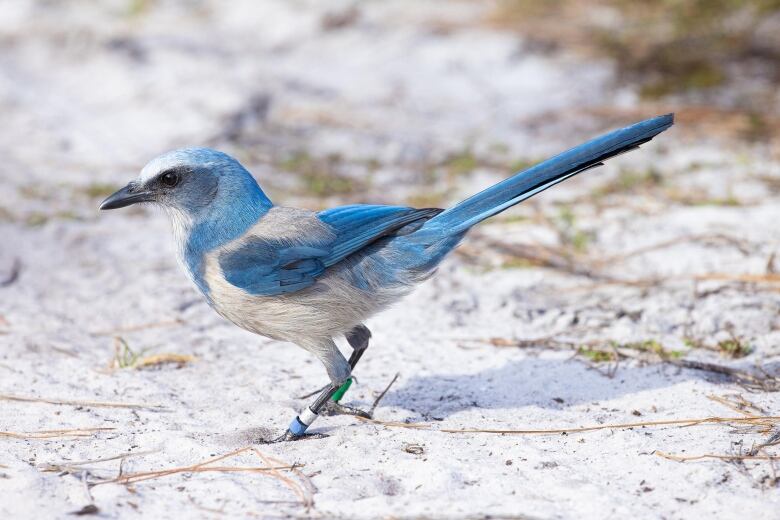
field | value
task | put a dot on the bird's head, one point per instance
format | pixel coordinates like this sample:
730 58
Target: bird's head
194 183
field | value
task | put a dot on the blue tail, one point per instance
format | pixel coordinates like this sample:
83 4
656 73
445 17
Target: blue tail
528 183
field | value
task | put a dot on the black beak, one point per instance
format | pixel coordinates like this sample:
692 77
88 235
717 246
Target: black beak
130 194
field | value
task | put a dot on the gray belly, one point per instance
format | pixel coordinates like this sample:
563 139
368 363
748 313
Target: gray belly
329 308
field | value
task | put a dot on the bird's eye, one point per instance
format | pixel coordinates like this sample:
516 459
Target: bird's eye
170 179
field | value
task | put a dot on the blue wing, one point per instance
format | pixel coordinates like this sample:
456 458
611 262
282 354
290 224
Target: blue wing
358 225
267 268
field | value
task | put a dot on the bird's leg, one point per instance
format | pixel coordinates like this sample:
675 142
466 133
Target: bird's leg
358 339
308 415
338 371
327 402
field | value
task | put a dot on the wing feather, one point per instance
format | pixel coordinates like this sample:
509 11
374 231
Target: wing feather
269 267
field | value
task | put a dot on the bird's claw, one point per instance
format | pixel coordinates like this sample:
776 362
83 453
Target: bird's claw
290 436
333 408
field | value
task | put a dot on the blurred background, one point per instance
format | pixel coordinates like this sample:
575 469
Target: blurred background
412 103
380 101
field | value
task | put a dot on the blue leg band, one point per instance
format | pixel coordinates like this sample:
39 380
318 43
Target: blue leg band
297 427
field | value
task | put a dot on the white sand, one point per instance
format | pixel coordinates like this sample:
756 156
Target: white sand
88 95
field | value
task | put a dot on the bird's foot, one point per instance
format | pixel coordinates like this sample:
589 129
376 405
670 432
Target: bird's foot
326 404
290 436
334 408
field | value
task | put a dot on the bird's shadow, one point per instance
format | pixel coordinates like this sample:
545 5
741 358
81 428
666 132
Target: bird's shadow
546 383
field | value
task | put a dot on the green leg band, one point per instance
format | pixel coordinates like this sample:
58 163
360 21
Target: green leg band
341 391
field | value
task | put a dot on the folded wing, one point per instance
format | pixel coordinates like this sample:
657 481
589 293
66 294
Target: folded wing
266 267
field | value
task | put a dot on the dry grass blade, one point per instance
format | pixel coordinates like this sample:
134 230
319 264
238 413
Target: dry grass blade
127 358
73 466
749 278
201 467
304 492
741 405
161 359
398 424
766 382
382 394
52 434
75 402
132 478
686 458
583 429
738 405
708 237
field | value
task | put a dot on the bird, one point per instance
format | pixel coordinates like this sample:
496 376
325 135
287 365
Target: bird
308 277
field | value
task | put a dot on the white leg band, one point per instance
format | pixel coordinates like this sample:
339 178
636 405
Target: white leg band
307 416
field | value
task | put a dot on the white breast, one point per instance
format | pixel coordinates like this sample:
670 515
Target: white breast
329 308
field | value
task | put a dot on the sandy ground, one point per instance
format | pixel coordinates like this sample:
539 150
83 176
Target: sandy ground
670 251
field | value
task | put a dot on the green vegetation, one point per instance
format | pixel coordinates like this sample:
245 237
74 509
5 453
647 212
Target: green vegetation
612 351
428 199
322 177
667 46
296 162
124 356
569 233
517 263
597 355
461 164
325 185
99 190
631 181
6 215
728 201
521 164
33 192
734 347
37 218
654 347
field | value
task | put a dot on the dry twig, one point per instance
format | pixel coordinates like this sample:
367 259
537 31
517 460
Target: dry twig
304 491
765 383
201 467
51 434
686 458
583 429
748 278
75 466
13 274
75 402
382 395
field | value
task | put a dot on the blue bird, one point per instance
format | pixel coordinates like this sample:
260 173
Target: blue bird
305 277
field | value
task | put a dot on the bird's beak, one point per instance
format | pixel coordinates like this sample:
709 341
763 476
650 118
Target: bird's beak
130 194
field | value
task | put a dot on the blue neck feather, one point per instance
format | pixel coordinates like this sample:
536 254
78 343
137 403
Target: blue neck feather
237 206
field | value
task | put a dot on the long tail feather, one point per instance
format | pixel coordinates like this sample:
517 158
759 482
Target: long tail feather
536 179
